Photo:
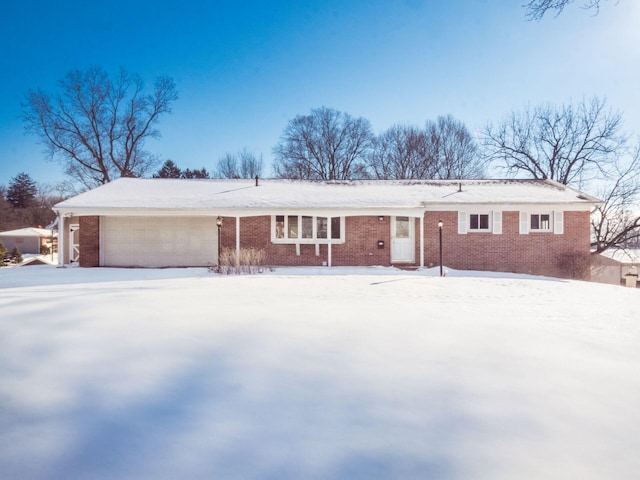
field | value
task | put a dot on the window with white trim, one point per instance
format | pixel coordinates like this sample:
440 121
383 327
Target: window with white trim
306 229
540 222
479 222
487 222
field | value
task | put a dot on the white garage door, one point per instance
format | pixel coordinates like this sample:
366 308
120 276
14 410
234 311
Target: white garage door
158 241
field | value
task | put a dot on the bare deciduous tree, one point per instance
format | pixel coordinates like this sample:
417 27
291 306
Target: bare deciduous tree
243 165
97 126
536 9
456 152
580 146
443 150
324 145
569 144
251 166
402 152
227 167
616 223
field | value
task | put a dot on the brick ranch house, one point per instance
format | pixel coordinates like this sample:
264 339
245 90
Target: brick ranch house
524 226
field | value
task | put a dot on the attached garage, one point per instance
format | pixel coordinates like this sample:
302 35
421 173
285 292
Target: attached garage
158 241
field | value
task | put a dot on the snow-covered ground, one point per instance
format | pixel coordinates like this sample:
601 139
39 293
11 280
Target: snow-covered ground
316 374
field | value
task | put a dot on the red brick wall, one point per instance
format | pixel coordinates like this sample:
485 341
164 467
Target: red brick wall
535 253
89 241
360 248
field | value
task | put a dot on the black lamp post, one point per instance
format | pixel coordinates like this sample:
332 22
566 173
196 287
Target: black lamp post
219 225
440 225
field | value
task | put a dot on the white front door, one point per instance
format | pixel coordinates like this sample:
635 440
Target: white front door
403 244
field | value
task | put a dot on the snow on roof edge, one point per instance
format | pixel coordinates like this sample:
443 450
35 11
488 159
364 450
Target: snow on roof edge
241 193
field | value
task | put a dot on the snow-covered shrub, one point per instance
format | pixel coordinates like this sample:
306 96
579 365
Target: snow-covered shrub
575 265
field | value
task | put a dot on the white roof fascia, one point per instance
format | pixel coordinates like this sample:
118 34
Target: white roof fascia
347 212
507 207
240 212
370 211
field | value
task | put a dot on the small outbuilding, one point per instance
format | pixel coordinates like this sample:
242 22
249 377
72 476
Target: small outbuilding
612 266
28 240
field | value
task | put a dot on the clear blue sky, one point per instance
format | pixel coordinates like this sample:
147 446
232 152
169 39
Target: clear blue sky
243 69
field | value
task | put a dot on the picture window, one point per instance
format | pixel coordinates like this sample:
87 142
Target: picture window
306 228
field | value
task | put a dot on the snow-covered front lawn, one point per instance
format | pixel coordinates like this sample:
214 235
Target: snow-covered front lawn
316 374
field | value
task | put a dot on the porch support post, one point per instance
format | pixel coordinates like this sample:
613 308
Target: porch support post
62 226
422 240
238 237
329 241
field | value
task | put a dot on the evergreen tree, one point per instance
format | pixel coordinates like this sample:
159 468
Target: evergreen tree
16 255
3 254
169 170
22 191
202 173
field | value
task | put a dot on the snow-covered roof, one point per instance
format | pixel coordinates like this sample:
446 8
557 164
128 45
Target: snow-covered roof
149 194
626 256
28 232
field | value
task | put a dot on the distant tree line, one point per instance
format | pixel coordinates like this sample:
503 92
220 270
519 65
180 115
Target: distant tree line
244 164
23 203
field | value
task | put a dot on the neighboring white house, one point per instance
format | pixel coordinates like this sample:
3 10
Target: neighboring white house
28 240
613 265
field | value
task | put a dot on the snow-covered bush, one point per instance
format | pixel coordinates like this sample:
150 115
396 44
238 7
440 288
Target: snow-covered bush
575 265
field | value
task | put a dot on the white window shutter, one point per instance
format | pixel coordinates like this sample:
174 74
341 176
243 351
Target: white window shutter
462 222
497 223
524 222
558 223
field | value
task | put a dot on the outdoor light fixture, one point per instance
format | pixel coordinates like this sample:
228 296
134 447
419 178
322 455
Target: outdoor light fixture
440 225
219 225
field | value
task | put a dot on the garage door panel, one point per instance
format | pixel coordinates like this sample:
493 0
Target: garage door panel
158 241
